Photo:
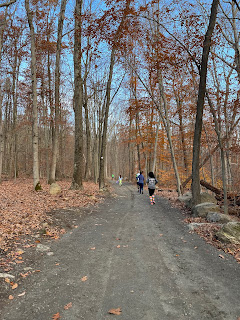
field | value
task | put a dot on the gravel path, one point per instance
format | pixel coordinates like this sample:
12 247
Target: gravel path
129 255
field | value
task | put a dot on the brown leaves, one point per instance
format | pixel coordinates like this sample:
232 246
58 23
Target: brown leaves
23 211
83 279
68 306
56 316
14 286
117 311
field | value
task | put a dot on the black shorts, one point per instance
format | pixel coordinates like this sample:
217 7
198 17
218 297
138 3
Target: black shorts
151 191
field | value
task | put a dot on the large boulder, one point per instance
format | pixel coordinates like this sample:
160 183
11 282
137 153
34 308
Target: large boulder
54 188
219 217
186 199
207 197
204 197
230 233
202 209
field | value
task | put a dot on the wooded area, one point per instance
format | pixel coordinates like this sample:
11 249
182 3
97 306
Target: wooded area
88 90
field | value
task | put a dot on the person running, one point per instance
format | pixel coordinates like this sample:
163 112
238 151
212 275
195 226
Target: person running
120 180
137 175
140 182
151 181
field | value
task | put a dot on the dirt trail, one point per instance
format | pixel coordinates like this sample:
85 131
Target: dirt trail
129 255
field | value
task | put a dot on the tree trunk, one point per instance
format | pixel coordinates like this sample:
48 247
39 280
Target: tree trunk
200 104
36 181
52 173
1 98
167 126
105 124
77 181
155 146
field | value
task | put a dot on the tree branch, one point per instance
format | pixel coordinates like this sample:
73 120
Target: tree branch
6 4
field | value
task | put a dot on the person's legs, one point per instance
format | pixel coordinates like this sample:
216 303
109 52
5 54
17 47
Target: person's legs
153 198
141 187
150 195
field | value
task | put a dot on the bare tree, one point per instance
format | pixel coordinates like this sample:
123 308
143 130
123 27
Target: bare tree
36 180
77 181
200 104
52 174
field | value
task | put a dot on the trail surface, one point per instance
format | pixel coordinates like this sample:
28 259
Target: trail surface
129 255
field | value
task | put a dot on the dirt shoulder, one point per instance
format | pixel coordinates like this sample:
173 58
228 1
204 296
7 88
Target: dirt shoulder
207 230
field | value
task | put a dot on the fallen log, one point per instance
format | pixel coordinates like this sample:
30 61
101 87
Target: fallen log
210 187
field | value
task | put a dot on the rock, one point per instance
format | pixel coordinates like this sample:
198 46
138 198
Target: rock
207 197
50 253
219 217
192 226
45 225
186 199
6 275
27 269
202 209
55 188
204 197
42 247
230 233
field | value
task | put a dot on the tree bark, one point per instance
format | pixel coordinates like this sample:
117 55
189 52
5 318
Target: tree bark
200 104
52 173
77 181
36 181
104 135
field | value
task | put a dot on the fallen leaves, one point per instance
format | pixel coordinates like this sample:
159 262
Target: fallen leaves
68 306
117 311
83 279
14 286
221 256
23 212
11 297
56 316
21 294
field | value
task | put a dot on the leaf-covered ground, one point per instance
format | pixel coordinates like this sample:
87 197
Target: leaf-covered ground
24 213
206 231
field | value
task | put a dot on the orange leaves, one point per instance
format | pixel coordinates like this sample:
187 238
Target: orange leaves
83 279
11 297
23 211
117 311
14 286
68 306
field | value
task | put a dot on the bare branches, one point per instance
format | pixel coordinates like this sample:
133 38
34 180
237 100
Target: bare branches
235 1
7 4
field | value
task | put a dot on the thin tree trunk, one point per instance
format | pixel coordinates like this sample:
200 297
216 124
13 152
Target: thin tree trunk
155 146
36 181
105 124
167 126
52 176
223 163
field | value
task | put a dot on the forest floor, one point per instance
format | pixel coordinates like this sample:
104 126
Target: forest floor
127 258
